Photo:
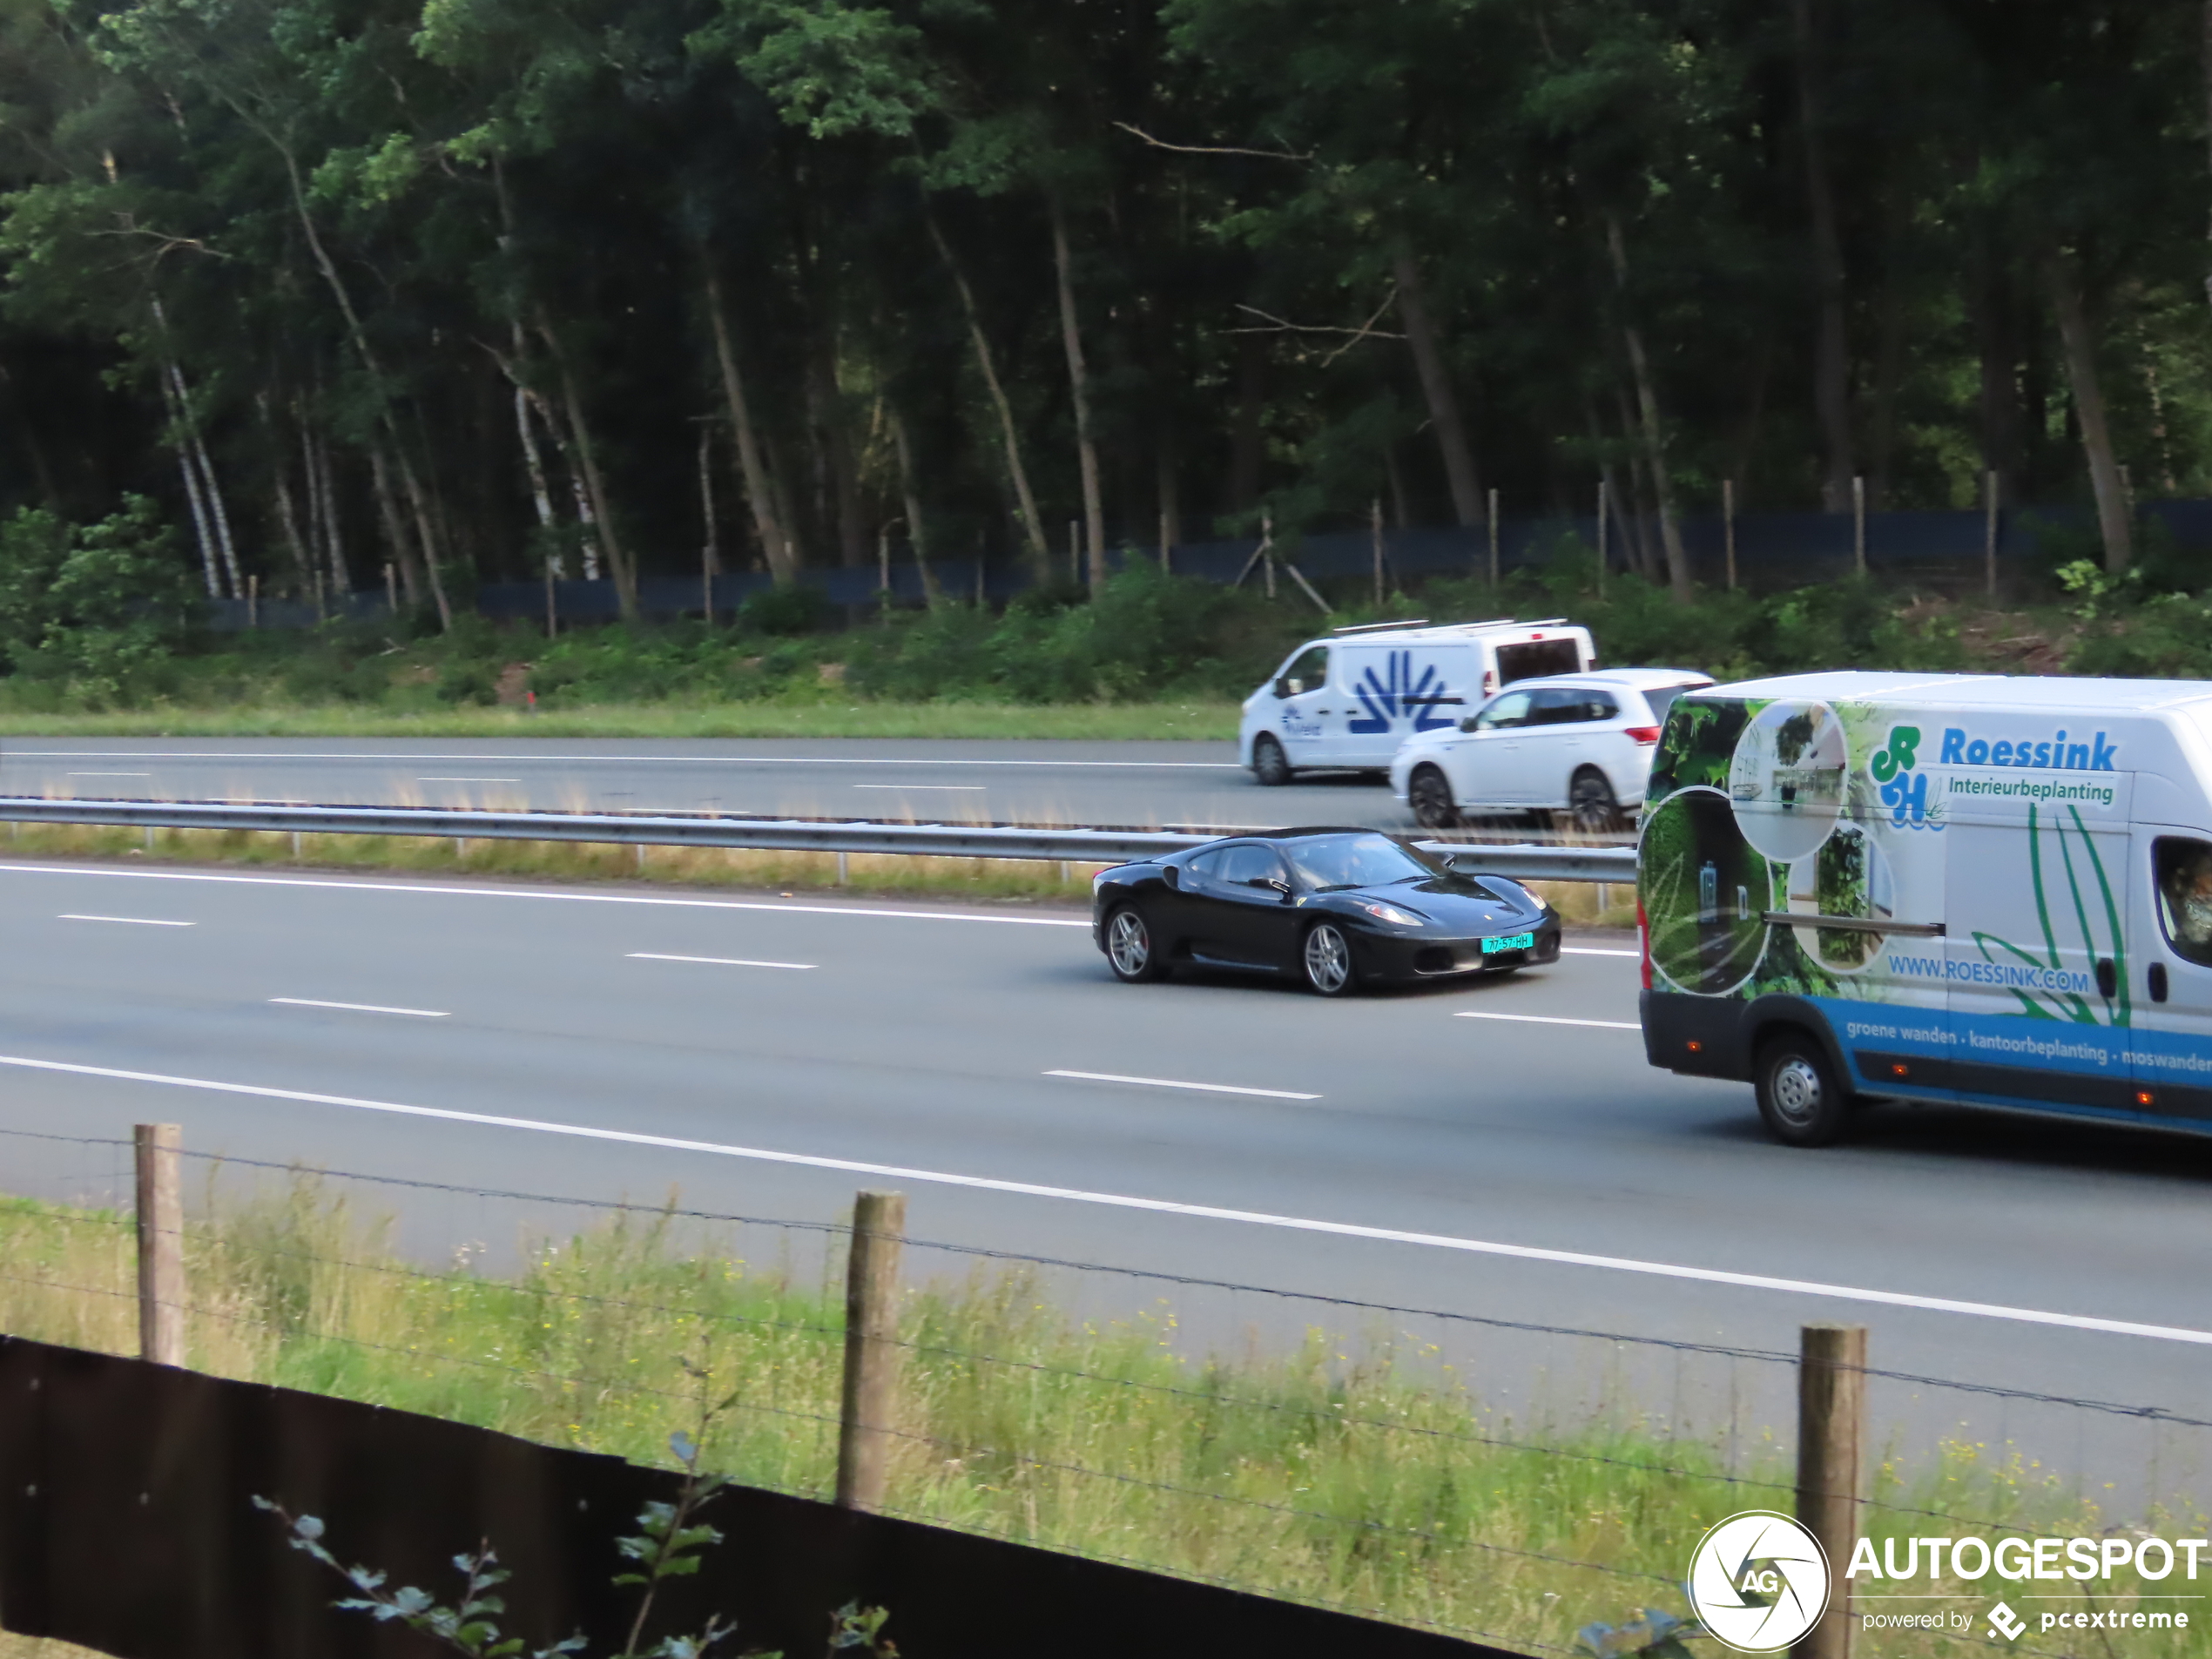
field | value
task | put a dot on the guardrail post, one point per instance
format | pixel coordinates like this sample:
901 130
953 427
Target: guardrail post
161 1243
864 1433
1831 1423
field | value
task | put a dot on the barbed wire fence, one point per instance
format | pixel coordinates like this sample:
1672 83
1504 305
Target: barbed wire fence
1505 1480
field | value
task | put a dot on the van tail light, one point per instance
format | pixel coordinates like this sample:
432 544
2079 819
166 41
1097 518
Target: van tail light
1643 941
1489 681
1643 733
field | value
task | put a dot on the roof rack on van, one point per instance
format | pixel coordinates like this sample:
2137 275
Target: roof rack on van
1380 627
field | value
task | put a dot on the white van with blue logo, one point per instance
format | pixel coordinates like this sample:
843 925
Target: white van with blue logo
1347 702
1977 890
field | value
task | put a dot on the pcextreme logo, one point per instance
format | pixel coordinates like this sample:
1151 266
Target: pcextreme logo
1759 1581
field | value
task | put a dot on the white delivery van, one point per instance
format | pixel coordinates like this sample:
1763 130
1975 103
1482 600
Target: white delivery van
1348 701
1982 890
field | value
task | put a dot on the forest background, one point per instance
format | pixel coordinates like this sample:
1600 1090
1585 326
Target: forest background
299 288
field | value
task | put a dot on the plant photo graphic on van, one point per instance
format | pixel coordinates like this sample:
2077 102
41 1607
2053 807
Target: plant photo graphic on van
2057 994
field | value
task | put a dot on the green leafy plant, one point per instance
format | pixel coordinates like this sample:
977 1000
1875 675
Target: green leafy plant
669 1543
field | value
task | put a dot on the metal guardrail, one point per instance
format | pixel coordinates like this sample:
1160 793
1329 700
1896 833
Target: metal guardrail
1074 845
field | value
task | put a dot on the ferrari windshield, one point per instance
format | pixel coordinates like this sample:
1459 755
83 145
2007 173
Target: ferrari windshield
1330 863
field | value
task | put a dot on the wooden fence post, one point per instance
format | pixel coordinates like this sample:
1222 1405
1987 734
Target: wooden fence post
161 1243
864 1433
1831 1421
1859 526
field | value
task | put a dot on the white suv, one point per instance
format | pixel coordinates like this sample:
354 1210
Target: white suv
1576 742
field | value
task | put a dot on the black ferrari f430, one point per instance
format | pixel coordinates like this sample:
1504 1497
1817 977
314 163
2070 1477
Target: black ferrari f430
1338 908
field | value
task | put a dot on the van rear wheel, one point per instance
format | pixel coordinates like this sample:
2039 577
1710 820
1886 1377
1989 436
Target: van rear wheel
1269 765
1799 1096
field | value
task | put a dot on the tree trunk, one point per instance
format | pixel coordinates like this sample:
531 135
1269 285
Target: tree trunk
210 487
2207 51
841 469
910 488
775 539
388 508
533 461
333 546
208 564
1655 446
1071 340
1436 386
1248 436
1168 486
374 368
618 565
1832 348
2080 347
1017 473
1993 315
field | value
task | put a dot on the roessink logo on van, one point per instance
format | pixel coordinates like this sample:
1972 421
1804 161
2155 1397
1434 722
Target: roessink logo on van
1759 1581
1903 792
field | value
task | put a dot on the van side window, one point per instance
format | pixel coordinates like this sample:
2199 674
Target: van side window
1537 659
2183 870
1309 674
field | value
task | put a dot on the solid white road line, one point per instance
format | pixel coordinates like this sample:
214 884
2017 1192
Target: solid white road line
136 922
723 760
468 781
1588 950
1211 1213
1549 1019
358 1008
1170 1082
108 774
718 962
940 788
9 868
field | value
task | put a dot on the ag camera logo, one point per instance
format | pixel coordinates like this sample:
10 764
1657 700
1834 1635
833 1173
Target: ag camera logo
1759 1581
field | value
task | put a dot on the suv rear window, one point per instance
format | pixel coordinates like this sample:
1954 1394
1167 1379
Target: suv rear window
1538 658
1661 698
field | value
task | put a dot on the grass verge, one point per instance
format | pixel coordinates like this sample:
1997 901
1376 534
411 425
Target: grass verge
1214 722
1017 880
1354 1469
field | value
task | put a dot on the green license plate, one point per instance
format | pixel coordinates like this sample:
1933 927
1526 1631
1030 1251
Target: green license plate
1510 941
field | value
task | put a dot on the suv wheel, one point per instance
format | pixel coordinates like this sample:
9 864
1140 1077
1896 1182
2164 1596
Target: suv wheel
1269 765
1590 805
1429 793
1799 1098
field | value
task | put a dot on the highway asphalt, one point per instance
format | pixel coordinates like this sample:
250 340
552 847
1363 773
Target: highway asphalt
1168 784
1499 1149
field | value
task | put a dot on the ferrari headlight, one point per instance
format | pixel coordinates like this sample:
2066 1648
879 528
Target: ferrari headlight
1393 915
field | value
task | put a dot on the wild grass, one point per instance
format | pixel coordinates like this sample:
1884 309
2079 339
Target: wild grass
1353 1468
1214 721
1004 881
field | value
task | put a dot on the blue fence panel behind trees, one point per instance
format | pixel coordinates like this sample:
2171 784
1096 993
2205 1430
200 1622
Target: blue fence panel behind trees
1773 550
